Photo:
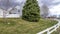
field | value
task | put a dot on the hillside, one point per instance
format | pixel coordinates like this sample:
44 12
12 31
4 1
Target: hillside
19 26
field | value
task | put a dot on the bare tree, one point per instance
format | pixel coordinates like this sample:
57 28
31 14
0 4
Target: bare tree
44 10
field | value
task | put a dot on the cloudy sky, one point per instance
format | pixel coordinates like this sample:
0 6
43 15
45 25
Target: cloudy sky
54 6
12 3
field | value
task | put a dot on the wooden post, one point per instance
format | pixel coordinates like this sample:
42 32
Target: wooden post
48 32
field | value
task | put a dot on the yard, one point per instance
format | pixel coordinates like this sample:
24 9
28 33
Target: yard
19 26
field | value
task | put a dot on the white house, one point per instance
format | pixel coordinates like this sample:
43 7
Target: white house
12 12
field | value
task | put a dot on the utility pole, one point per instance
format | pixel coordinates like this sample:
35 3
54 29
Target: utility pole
5 11
7 3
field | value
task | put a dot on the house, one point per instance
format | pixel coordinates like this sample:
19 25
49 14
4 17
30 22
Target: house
11 12
1 13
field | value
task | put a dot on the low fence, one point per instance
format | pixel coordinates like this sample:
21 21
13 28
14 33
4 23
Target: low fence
51 29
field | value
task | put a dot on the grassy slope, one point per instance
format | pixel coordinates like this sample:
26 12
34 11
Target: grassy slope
19 26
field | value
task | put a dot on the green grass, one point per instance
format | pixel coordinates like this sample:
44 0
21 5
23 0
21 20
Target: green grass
19 26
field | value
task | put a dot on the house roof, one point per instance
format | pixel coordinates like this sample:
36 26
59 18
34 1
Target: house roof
18 7
11 8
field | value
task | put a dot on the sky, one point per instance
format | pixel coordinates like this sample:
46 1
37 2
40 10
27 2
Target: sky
12 3
53 5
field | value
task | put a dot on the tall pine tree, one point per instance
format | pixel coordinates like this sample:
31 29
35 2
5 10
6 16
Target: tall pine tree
31 11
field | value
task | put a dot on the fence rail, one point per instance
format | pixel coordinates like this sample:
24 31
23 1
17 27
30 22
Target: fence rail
51 29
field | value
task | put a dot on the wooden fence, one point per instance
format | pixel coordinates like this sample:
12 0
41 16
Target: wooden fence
51 29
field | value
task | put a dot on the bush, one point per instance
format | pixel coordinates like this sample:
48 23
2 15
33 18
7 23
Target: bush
31 11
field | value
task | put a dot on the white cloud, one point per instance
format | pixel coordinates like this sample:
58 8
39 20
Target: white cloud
19 1
55 9
55 1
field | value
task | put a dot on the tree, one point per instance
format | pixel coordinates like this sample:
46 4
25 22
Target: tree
44 10
31 11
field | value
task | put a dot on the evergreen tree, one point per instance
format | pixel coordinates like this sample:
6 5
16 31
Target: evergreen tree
31 11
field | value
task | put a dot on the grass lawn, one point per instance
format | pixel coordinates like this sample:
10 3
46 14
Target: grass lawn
19 26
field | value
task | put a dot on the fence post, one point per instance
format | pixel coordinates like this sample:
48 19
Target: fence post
56 27
48 32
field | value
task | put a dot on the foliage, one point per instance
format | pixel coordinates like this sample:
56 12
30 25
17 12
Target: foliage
31 11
